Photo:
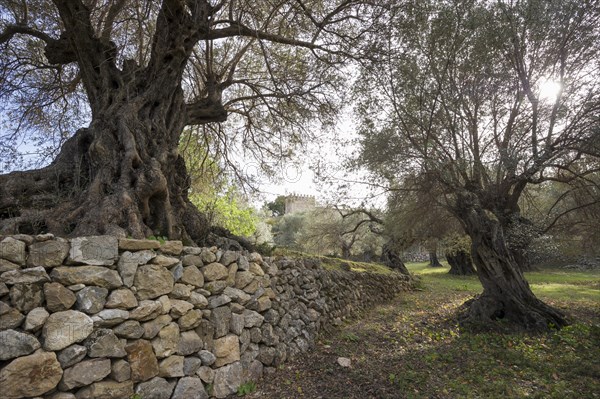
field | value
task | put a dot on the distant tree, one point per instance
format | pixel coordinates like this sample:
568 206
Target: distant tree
287 229
277 206
335 231
458 255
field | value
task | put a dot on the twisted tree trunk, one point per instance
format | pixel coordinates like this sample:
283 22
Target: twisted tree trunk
506 293
433 259
122 175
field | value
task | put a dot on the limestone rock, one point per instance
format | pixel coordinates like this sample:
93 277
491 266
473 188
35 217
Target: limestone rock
107 390
30 376
9 317
165 344
192 275
152 327
88 275
191 365
227 380
344 362
104 343
218 300
189 343
215 287
229 257
153 281
13 250
6 266
190 320
192 260
231 273
242 279
208 358
227 350
32 275
84 373
256 269
94 250
65 328
122 298
26 297
91 300
3 289
129 262
214 271
243 263
110 317
35 319
156 388
171 247
181 291
189 388
48 253
206 374
71 355
130 329
208 256
252 318
164 261
146 310
15 344
142 361
220 318
237 295
120 370
58 298
198 300
179 307
129 244
237 323
171 366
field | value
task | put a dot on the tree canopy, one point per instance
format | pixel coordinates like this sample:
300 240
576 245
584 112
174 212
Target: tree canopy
130 75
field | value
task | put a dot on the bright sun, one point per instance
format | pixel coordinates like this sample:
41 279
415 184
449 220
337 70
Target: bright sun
549 90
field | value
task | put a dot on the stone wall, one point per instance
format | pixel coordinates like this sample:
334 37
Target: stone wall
101 317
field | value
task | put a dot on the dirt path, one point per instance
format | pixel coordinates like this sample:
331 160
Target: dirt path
412 348
382 347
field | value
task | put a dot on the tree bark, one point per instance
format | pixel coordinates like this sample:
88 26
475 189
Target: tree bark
460 263
391 258
506 294
122 175
433 259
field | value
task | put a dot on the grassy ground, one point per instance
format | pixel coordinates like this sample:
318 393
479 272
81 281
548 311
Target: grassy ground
413 348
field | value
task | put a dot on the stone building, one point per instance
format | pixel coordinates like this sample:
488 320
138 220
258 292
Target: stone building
295 203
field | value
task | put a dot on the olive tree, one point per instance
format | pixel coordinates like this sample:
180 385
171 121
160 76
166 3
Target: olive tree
461 98
116 82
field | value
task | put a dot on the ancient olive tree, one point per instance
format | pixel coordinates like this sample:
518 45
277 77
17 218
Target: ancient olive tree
479 100
135 74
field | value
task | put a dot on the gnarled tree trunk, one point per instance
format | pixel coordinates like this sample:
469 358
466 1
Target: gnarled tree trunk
433 259
460 263
391 258
506 293
122 175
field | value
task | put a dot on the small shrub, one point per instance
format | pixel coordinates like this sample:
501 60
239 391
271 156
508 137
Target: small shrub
246 388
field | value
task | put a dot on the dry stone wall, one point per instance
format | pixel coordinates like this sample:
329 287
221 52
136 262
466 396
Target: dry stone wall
101 317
